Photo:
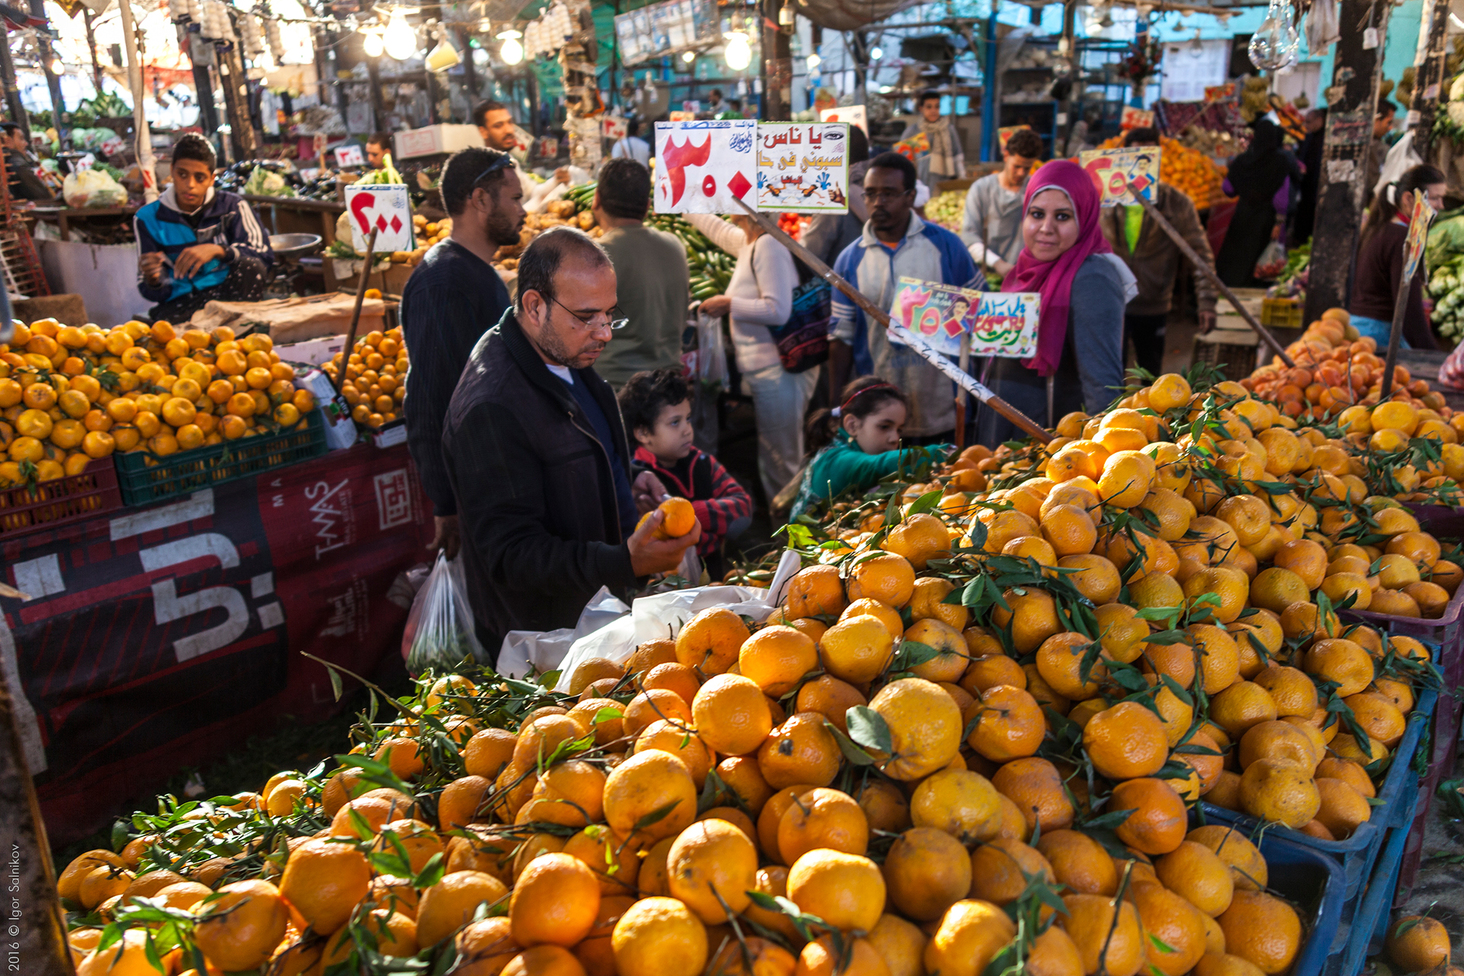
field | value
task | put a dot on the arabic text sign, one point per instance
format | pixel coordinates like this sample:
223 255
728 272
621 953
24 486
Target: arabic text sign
705 166
387 208
853 114
803 167
999 323
1113 169
1422 216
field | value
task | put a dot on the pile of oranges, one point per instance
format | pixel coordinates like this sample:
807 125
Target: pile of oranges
376 373
69 395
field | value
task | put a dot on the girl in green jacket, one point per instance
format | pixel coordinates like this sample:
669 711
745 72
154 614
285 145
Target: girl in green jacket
857 443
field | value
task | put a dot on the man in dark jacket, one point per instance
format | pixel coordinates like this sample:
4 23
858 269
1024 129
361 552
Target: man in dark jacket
537 453
1155 261
197 243
452 298
20 166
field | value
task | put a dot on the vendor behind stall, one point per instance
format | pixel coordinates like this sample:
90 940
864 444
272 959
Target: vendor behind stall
20 166
495 125
198 244
378 147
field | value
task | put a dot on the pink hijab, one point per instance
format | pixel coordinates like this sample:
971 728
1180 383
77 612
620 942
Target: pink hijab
1053 280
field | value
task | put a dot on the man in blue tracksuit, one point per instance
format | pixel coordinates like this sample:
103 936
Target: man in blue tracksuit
198 244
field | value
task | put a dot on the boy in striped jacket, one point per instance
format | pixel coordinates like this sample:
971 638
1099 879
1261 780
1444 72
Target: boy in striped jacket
655 406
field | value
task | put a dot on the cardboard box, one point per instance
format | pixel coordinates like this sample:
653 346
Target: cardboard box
434 140
312 351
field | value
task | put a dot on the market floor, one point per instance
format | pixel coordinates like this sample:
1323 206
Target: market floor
1438 890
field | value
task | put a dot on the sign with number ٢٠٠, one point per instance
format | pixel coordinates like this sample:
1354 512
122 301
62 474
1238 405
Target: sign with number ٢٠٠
1114 169
999 323
384 207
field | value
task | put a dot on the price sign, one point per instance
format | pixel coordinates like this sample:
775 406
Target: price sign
615 128
1114 169
384 207
1136 118
349 156
852 114
999 323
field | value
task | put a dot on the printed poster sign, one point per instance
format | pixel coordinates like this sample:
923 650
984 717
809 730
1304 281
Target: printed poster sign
803 167
385 207
1113 169
615 127
852 114
999 323
705 166
1422 216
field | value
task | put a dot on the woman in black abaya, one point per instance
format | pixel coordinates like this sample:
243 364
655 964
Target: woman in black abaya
1258 176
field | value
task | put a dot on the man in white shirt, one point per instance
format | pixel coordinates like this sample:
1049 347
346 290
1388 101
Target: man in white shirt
632 146
992 224
495 125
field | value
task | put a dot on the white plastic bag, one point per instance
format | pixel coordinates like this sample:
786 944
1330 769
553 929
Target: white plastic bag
711 352
92 188
439 633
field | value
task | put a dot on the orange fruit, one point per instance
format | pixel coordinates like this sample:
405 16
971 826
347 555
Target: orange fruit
647 783
1197 873
800 750
1280 791
1171 920
1417 943
845 890
323 881
924 725
857 649
555 901
859 957
1000 869
711 867
888 578
247 923
821 818
448 905
829 697
1008 723
968 937
1115 946
960 802
1079 862
1036 787
1159 818
731 714
1262 929
1126 741
776 659
926 871
711 640
816 591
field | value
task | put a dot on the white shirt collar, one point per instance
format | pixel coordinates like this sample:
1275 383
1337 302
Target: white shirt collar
563 372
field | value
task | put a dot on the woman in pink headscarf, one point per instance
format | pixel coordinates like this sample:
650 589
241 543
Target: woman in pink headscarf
1084 288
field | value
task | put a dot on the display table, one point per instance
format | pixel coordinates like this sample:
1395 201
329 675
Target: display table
159 638
293 215
66 217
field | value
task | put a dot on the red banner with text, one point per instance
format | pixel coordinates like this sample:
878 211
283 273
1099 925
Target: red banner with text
157 638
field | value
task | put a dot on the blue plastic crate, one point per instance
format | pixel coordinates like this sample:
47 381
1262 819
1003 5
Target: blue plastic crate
1313 881
1370 921
1357 854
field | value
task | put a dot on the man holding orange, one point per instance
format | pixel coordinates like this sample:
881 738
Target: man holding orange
537 453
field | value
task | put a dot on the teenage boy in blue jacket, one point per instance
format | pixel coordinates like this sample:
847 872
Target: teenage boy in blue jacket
197 243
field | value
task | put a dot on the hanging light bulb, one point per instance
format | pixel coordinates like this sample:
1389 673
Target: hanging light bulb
56 66
372 45
737 53
688 56
814 61
512 52
876 53
785 14
1275 44
401 39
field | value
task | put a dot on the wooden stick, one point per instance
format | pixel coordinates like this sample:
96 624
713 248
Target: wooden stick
356 313
1395 337
965 363
990 399
1204 268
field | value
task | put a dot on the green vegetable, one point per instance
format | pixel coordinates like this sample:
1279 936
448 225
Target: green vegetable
387 174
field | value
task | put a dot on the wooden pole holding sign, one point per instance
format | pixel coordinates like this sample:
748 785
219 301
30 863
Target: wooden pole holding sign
965 380
965 364
1418 222
356 312
1209 272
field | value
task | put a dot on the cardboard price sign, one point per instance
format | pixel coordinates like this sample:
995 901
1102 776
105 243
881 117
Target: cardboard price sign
384 207
615 128
1114 169
1136 118
999 323
803 167
1422 216
349 156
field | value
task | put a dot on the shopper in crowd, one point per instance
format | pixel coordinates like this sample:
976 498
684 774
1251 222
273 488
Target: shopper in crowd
652 280
733 109
537 455
20 165
946 159
1311 177
495 125
378 147
454 296
1084 288
1377 151
1154 259
1380 259
196 243
656 409
896 243
992 223
715 106
631 145
826 235
760 295
1261 176
857 442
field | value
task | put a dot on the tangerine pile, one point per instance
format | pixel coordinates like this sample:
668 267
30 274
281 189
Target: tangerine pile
376 374
69 395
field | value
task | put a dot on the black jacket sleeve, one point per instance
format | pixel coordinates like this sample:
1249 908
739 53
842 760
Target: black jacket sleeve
26 184
502 512
432 318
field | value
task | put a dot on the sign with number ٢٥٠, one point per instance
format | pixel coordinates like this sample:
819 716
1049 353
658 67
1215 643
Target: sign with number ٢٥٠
999 323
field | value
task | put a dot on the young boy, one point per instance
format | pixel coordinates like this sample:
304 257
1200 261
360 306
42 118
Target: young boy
656 408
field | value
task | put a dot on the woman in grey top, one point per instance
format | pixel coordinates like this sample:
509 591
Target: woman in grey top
1084 288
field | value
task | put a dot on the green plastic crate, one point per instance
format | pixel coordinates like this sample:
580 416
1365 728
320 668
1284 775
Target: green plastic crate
144 477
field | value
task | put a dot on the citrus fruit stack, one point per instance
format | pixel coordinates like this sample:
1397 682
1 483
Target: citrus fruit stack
376 374
853 785
68 395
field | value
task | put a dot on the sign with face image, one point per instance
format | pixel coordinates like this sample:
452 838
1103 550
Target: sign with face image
1114 169
999 323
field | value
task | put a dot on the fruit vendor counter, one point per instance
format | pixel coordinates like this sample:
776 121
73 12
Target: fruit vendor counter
296 215
160 637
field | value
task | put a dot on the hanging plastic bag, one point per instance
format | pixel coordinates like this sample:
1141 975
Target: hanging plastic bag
1271 262
439 633
711 352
